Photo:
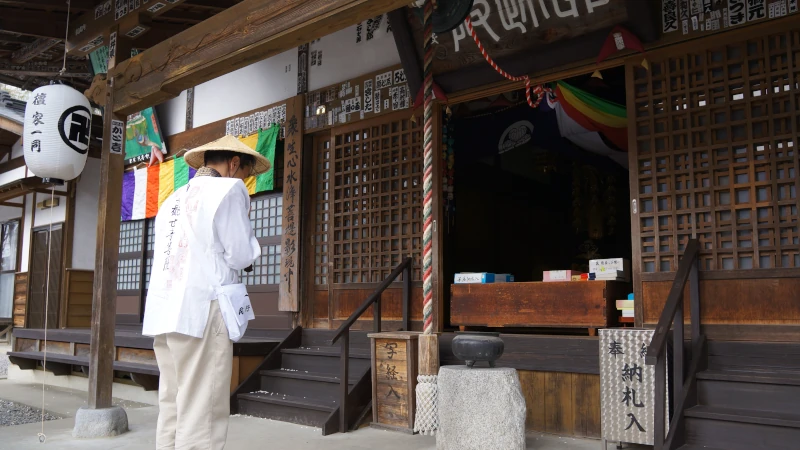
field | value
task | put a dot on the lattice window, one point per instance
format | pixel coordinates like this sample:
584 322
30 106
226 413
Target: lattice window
266 216
130 236
148 258
370 217
322 161
131 242
716 136
266 269
128 274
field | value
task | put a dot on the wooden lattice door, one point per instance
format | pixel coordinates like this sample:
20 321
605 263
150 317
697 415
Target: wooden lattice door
713 133
367 215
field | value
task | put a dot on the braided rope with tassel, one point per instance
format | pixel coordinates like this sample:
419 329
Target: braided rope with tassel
538 90
427 236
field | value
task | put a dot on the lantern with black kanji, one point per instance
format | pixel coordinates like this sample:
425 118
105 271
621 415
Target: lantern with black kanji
58 123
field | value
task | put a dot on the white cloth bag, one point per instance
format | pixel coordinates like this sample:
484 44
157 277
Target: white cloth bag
234 302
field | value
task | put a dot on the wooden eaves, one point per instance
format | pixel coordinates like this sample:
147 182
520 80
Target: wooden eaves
241 35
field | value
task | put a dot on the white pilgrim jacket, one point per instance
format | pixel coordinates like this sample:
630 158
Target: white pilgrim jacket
203 238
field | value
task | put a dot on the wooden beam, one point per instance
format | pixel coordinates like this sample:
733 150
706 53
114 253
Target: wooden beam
78 69
75 5
88 28
101 357
407 48
34 49
12 205
32 23
10 125
250 31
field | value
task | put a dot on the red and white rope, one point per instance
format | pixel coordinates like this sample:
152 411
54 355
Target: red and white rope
539 90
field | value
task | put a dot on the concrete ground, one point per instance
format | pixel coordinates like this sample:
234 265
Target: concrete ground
245 433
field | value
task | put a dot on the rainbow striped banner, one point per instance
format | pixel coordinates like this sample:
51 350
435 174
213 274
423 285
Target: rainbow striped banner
144 190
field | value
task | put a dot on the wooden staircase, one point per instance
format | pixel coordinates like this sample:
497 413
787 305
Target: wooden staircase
732 395
299 382
747 398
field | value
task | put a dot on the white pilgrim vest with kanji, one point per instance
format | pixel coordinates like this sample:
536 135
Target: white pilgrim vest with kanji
190 265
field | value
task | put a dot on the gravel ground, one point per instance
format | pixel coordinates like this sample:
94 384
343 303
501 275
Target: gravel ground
15 414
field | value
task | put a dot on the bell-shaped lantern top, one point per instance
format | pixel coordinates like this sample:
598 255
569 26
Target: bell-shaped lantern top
57 131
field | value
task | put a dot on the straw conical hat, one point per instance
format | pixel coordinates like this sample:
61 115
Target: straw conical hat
195 157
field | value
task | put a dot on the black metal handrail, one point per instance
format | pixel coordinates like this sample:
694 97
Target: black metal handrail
672 318
343 332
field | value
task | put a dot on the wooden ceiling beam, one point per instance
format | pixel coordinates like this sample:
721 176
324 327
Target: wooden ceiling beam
407 49
10 125
248 32
86 29
33 23
34 49
76 5
218 5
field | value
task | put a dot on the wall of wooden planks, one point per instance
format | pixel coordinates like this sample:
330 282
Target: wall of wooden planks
79 298
567 404
20 298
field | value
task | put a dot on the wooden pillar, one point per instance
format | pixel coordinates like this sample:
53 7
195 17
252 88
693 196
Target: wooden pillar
112 160
429 354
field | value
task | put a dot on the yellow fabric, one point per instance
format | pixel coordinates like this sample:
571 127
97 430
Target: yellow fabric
592 113
250 141
166 180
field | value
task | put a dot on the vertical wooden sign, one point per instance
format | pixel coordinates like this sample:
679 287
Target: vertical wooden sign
394 379
292 172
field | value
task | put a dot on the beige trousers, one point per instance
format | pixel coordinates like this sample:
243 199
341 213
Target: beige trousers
194 387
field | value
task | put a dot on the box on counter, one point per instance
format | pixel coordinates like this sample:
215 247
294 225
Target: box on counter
559 275
503 278
599 266
474 278
483 278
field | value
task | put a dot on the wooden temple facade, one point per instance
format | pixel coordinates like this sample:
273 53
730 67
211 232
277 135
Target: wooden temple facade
712 125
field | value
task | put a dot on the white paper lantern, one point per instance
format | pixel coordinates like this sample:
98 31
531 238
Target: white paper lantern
58 124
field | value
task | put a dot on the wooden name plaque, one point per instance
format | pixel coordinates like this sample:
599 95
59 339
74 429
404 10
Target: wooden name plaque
394 380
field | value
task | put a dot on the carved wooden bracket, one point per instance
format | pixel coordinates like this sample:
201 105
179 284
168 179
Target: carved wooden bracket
98 90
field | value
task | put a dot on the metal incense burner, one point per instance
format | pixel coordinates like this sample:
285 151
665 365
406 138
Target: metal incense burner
473 346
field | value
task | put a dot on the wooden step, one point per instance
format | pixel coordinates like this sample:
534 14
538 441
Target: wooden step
321 386
698 447
325 360
751 376
777 356
316 338
745 416
733 429
286 408
748 391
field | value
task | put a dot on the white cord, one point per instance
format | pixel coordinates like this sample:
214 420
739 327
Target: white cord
42 436
66 36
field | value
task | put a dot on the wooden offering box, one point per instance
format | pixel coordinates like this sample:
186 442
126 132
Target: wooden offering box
394 380
570 304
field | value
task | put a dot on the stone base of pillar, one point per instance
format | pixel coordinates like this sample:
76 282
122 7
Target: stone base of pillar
98 423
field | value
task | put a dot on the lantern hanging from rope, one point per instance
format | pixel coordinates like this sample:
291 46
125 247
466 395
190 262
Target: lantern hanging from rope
58 123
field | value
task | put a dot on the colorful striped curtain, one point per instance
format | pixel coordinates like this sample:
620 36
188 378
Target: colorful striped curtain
144 190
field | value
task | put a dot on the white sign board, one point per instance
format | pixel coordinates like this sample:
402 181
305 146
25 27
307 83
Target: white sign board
627 386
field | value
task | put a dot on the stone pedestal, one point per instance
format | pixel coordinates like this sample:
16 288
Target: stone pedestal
98 423
480 409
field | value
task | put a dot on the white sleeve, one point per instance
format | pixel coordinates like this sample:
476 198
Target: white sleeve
232 229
